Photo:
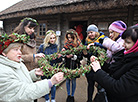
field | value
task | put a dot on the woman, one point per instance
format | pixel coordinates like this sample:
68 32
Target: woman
71 61
92 39
16 82
115 42
27 26
50 47
122 81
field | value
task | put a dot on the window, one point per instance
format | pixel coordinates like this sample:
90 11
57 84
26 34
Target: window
103 26
42 29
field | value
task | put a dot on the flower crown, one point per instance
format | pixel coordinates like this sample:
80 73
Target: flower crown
30 19
6 40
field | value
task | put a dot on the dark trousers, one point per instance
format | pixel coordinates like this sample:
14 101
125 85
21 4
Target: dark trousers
90 88
35 100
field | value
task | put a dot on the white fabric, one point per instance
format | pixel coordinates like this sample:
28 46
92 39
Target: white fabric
16 84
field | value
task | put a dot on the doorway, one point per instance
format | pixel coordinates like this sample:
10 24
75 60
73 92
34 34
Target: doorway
83 24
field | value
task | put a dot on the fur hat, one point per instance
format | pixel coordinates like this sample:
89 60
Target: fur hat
92 27
6 40
118 26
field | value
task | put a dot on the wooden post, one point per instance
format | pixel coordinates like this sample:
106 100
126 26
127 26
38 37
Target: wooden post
130 15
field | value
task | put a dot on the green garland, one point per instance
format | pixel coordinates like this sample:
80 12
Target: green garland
70 73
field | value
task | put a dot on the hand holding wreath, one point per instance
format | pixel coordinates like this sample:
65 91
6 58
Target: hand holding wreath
70 73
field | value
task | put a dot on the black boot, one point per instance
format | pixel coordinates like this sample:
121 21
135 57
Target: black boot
72 99
89 101
68 98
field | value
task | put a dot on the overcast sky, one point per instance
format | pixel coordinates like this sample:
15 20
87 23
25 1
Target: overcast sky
5 4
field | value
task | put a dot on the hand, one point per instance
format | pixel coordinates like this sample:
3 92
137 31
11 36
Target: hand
74 57
63 49
38 72
84 52
91 44
95 65
69 56
56 78
59 55
93 58
39 55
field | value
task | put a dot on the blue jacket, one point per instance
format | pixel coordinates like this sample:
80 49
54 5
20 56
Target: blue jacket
97 42
51 49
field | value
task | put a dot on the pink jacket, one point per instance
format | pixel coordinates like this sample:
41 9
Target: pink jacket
113 46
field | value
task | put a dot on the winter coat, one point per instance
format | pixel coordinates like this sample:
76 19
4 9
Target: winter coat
96 43
16 82
27 54
51 49
121 84
113 47
73 63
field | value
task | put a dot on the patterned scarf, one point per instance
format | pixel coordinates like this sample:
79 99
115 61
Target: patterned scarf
89 41
69 45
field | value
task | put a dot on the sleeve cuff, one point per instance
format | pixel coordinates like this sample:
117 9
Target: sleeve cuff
49 83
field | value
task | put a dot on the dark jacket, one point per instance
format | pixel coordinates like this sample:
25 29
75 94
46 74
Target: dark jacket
97 42
90 74
121 84
73 64
51 49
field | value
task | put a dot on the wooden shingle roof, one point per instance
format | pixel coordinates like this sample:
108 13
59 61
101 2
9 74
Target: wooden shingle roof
37 7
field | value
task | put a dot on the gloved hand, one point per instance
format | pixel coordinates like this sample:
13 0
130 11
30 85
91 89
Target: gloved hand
74 57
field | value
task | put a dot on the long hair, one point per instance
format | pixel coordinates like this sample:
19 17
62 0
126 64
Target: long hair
74 35
47 38
26 22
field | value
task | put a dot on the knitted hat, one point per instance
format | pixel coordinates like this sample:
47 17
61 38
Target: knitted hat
118 26
92 27
6 40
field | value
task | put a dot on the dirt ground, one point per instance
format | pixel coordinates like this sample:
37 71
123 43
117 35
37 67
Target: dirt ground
80 93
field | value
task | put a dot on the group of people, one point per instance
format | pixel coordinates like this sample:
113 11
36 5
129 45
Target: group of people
118 76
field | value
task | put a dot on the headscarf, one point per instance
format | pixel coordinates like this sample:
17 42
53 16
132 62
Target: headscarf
134 49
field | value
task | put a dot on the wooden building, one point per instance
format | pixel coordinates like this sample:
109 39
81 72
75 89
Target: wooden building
60 15
1 31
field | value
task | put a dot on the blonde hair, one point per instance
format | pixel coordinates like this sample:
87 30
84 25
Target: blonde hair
12 46
47 38
96 35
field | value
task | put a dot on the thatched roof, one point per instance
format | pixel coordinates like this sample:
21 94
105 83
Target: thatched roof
37 7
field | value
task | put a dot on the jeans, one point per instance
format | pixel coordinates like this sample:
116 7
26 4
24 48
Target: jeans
53 92
73 81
